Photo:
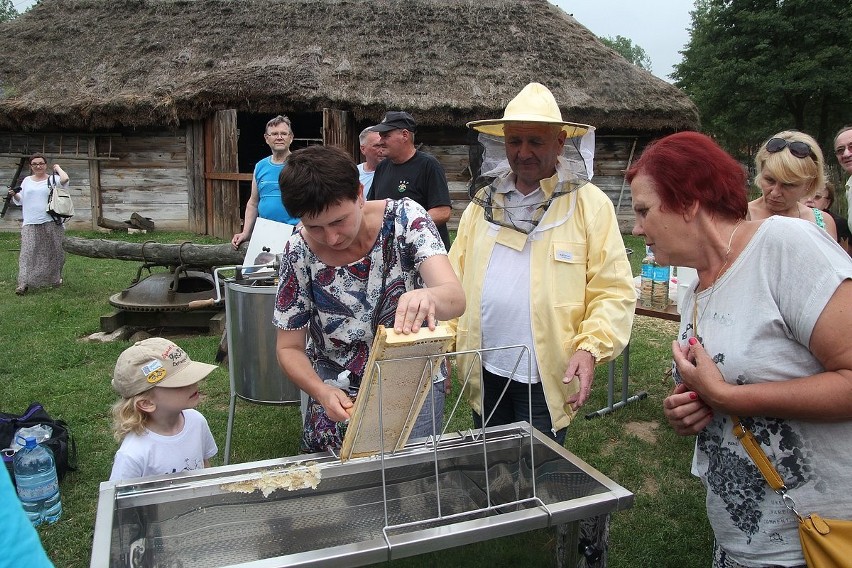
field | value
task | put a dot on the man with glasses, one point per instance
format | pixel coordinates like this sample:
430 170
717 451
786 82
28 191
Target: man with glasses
265 200
843 151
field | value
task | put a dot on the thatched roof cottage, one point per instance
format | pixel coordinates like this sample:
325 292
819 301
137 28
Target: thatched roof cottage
158 106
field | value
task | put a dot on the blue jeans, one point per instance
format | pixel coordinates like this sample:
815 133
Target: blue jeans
423 426
514 406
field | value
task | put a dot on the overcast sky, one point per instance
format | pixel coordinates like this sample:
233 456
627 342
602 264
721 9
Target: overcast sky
657 26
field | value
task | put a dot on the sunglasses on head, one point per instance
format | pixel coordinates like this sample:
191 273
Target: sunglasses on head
798 149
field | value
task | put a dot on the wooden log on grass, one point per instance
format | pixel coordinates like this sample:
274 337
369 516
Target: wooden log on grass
136 221
113 225
157 253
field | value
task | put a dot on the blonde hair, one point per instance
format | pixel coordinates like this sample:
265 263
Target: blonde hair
787 168
127 418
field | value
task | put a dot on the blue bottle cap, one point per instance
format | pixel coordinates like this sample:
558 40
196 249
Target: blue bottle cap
29 442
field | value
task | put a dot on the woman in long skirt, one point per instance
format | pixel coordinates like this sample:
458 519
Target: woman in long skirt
42 258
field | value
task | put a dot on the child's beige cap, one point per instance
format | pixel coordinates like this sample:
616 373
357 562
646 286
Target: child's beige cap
155 362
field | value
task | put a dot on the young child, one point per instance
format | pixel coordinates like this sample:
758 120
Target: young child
155 422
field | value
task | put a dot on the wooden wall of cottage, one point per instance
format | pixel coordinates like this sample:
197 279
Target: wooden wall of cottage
161 174
113 174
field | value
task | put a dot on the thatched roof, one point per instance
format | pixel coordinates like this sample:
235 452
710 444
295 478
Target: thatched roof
96 64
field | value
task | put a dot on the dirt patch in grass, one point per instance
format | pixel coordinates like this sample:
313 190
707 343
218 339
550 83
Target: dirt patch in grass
645 431
664 328
650 486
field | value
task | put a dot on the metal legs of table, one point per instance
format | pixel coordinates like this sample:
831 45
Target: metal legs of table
611 405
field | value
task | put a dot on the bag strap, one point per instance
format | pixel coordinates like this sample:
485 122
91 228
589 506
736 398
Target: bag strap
760 459
53 189
758 456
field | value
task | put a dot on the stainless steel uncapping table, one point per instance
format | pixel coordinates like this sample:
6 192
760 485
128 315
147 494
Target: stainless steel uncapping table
471 487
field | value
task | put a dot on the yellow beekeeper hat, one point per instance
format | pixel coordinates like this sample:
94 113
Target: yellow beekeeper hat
535 103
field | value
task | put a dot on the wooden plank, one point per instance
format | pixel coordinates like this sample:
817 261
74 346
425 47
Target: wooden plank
167 179
454 159
208 166
225 192
228 176
94 183
405 384
63 157
196 202
338 130
144 196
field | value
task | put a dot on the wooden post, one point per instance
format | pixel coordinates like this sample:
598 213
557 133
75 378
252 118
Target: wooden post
221 156
197 202
338 129
94 182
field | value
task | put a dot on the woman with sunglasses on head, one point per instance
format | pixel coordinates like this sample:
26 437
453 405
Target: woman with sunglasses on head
766 335
790 167
42 258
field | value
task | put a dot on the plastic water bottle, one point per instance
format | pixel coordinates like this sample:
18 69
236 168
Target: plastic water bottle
38 485
654 291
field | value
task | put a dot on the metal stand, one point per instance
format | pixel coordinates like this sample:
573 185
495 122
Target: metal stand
611 405
253 369
437 492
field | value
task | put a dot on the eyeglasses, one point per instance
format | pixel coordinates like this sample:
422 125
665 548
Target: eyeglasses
840 149
278 134
38 164
798 149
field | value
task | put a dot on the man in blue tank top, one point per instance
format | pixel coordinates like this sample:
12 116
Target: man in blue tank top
265 200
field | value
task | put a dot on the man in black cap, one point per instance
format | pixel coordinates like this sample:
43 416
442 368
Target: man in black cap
408 172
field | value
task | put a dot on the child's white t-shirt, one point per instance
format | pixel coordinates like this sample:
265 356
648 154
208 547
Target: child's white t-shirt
154 454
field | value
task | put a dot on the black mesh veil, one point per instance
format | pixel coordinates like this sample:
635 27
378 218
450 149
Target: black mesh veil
488 165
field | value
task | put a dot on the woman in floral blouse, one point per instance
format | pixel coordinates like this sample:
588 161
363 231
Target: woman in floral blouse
353 265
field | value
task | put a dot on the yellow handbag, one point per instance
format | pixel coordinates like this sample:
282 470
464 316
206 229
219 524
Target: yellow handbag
826 543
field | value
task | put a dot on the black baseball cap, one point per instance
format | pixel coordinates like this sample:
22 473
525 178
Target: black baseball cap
394 120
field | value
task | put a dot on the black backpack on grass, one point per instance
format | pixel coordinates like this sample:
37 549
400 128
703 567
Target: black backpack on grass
61 442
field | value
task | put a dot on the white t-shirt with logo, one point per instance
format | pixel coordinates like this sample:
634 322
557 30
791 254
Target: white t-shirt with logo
155 454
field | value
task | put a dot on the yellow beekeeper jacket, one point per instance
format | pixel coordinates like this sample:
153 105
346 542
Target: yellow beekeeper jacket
582 294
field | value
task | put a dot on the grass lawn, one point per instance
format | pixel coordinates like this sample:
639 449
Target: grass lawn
47 360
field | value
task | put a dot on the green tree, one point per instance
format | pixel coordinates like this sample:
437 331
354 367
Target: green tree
7 10
754 67
625 48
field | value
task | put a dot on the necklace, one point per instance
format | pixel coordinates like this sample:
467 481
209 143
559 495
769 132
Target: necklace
695 317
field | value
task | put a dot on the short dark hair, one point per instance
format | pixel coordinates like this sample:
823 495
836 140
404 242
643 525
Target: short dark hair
689 166
317 177
37 155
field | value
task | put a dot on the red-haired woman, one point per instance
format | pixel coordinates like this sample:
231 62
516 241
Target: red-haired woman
766 336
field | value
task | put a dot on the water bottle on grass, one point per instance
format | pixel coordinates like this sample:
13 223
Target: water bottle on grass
38 485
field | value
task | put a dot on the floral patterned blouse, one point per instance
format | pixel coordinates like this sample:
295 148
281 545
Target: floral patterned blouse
343 305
